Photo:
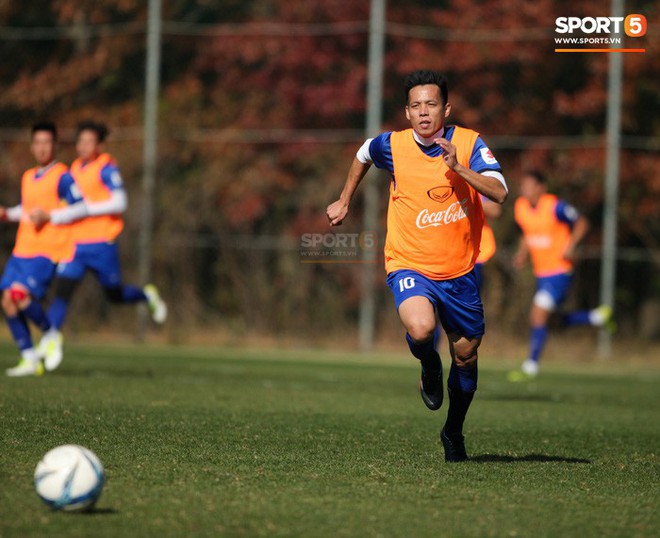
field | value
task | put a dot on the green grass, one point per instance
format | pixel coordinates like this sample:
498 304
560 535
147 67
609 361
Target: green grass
224 442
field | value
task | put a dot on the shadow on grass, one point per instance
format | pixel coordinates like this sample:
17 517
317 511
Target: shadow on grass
100 512
107 373
553 398
541 458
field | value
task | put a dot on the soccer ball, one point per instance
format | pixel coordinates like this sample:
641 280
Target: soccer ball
70 478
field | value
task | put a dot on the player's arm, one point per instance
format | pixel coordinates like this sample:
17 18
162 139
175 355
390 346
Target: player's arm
337 211
75 208
579 227
118 201
11 214
491 209
489 186
376 151
520 257
522 253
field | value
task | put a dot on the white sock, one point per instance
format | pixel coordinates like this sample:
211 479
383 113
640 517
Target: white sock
596 317
30 355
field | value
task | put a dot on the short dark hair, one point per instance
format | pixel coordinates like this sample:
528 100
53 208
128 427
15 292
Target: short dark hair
423 77
47 126
538 176
90 125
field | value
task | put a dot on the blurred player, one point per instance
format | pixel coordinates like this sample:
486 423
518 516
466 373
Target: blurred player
434 223
488 246
95 236
38 248
551 230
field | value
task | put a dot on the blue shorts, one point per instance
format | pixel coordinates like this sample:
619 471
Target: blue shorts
456 301
33 273
551 291
100 258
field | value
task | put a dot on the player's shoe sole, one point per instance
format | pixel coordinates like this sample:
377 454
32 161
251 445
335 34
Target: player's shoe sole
430 388
26 368
518 376
454 446
606 315
50 349
157 306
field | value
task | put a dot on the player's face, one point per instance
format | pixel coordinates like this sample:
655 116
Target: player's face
43 147
531 189
87 145
425 110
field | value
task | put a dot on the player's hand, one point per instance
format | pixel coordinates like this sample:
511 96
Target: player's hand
3 212
519 260
39 218
448 152
569 253
336 212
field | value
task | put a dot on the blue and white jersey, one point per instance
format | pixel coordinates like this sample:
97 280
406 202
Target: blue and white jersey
481 160
565 212
378 151
111 177
68 190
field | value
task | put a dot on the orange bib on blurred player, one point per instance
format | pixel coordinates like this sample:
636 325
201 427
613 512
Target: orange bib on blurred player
97 229
52 242
488 246
546 236
434 218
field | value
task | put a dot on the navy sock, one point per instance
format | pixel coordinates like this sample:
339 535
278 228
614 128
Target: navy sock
426 352
20 331
461 386
459 403
126 293
35 313
537 341
579 317
57 312
464 379
132 294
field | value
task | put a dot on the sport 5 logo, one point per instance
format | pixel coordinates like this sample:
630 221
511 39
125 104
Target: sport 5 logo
440 194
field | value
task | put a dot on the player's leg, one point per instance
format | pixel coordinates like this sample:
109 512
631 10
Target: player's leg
550 293
461 386
601 316
65 288
461 313
39 273
18 327
52 341
68 276
108 271
539 316
417 313
24 283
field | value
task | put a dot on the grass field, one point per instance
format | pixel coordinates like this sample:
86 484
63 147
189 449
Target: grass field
225 442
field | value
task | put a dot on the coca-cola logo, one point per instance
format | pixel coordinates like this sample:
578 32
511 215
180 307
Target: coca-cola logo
454 213
440 194
539 241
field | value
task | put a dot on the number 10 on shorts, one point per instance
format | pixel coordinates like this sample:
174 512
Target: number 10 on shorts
406 283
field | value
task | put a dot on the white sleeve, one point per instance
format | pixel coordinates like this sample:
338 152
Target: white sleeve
15 213
69 213
363 154
497 175
116 205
